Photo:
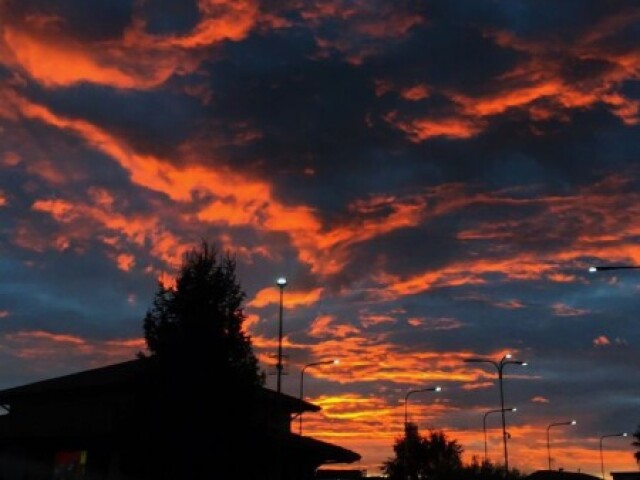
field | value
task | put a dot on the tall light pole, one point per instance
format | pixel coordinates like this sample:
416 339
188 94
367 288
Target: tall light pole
613 267
506 360
484 426
557 424
281 282
622 434
309 365
406 423
406 402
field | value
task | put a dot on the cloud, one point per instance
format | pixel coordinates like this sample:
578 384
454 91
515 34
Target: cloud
433 179
562 310
539 399
601 341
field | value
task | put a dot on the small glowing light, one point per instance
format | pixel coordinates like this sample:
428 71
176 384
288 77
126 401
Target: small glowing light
508 355
625 434
281 281
438 389
524 364
336 362
514 409
573 422
593 269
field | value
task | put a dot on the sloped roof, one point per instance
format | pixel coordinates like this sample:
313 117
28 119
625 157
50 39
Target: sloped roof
328 452
121 376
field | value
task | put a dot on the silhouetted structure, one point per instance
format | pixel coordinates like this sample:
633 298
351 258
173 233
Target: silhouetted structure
625 475
101 424
559 475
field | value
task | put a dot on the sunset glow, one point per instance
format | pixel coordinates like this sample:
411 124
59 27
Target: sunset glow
433 179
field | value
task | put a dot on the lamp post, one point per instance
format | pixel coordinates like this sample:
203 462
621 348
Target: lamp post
613 267
309 365
557 424
506 360
281 282
484 426
406 423
622 434
406 402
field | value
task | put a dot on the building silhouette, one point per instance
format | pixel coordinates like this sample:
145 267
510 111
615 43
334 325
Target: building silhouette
108 424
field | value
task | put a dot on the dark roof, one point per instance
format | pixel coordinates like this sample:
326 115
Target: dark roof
625 475
328 452
559 475
121 375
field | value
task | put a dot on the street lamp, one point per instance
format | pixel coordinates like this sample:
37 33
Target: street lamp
558 424
506 360
281 282
613 267
406 423
623 434
484 426
308 365
406 401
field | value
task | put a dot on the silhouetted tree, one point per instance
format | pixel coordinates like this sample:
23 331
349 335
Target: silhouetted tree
200 319
423 457
636 443
485 470
204 375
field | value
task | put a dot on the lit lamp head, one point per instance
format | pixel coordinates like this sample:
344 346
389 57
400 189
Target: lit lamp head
514 409
281 282
437 389
573 422
508 356
593 269
336 361
625 434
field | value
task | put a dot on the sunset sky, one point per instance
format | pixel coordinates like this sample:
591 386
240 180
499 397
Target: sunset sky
433 177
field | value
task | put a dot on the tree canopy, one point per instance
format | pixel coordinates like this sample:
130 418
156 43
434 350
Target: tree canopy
436 457
420 457
202 376
200 319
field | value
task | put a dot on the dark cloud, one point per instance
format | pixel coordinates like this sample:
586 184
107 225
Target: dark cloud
85 21
432 177
155 122
170 16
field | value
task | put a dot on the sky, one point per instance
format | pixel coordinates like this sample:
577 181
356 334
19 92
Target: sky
433 178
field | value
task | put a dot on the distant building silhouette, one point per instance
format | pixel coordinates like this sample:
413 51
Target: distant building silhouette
626 475
87 426
344 474
560 475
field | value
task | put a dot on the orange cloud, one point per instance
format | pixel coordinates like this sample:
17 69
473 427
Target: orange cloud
425 128
325 326
539 399
415 93
59 65
125 261
41 348
43 47
291 299
601 341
